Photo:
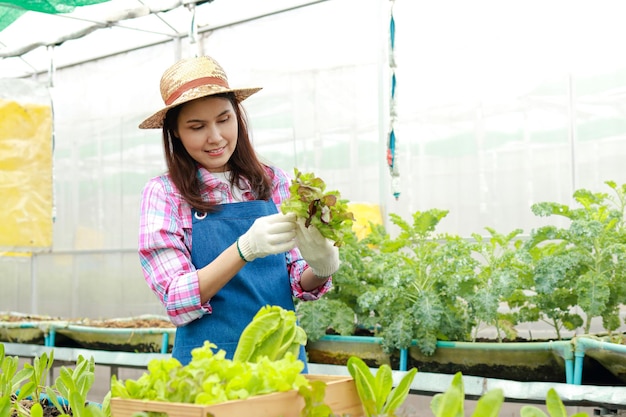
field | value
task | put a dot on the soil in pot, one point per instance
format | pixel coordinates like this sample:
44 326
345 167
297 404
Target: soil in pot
89 334
49 410
134 334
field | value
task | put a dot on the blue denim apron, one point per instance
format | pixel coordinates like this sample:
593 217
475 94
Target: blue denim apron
265 281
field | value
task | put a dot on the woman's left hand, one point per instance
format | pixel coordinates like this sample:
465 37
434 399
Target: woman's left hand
320 253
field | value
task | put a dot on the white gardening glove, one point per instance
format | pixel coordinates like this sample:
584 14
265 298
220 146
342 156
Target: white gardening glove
320 253
268 235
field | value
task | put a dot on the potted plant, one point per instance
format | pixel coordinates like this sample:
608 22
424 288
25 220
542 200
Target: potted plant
16 327
144 333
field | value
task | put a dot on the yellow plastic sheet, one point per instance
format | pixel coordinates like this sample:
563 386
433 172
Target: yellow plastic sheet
25 176
364 213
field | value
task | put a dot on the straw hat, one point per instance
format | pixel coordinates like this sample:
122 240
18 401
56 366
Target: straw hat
190 79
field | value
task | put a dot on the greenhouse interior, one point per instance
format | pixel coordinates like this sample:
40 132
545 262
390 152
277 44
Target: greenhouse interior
479 147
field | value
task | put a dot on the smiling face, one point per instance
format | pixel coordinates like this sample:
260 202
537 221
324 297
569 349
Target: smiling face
208 129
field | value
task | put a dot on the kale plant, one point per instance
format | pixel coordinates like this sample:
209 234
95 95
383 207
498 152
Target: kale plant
339 311
586 262
502 272
423 275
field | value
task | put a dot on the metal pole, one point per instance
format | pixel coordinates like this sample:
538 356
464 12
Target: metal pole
572 129
194 45
51 66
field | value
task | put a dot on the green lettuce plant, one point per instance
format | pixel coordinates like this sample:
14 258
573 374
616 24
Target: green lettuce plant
68 393
311 202
314 405
376 391
554 406
264 361
11 379
73 385
451 403
272 333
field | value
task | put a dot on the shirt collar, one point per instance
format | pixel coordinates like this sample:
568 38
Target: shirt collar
211 181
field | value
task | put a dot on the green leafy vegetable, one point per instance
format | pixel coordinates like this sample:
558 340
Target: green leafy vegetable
10 377
329 314
74 385
451 402
554 405
272 333
314 400
376 391
423 273
503 266
210 378
586 259
265 361
323 209
40 368
68 394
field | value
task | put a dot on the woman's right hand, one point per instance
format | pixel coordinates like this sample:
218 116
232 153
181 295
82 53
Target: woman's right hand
268 235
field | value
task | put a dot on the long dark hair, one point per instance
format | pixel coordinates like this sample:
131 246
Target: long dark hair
243 163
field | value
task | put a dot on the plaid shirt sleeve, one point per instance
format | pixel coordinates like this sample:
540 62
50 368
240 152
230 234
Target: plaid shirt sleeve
295 264
165 252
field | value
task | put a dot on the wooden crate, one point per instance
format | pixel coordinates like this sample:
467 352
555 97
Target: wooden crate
341 396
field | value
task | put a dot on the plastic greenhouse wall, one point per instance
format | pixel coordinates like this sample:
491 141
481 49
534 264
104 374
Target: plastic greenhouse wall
490 119
25 166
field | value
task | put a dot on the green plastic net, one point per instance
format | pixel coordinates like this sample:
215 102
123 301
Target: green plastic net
11 10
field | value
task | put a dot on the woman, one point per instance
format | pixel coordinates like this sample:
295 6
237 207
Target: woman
213 244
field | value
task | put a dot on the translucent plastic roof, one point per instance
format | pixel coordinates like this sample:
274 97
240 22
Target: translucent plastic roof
37 42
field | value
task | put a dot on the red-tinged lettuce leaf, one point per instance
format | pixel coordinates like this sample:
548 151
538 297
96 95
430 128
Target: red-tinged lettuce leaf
323 209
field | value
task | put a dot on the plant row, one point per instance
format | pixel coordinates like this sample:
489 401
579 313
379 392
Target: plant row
420 285
67 395
27 391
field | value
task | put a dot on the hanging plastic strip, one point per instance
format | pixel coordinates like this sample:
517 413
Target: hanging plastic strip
51 90
392 144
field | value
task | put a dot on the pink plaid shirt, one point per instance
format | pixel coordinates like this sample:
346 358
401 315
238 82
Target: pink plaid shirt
165 244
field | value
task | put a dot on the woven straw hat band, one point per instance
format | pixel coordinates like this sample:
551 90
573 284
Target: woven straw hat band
193 84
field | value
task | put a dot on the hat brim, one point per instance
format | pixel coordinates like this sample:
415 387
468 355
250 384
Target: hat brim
156 120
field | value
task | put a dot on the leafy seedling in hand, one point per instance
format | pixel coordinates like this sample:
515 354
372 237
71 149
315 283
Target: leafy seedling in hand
323 209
